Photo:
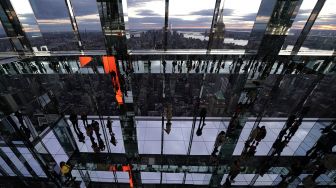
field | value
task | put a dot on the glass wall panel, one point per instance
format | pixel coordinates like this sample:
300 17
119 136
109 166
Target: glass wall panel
54 147
272 131
298 24
198 179
87 146
54 21
322 36
145 23
264 14
238 21
29 23
16 161
32 161
5 45
5 166
189 23
89 27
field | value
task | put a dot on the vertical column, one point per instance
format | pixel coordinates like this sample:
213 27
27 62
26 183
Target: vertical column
74 24
166 25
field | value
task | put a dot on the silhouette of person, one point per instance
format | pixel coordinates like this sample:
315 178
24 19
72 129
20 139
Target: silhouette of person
218 66
234 171
74 120
290 121
294 128
164 63
96 130
23 128
149 66
279 147
168 111
203 113
324 144
109 126
84 119
261 134
174 65
220 139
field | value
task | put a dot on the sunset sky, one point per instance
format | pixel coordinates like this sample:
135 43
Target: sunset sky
238 14
52 15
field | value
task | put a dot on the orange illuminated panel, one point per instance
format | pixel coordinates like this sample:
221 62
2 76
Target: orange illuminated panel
110 67
125 168
84 60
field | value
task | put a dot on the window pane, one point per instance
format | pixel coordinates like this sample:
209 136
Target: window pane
87 17
28 21
146 20
54 21
238 22
189 23
298 24
5 45
322 36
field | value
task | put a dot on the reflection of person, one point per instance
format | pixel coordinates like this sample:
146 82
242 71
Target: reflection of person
234 170
84 119
294 128
89 132
95 125
220 139
202 121
74 120
174 66
23 128
109 126
168 111
325 144
261 134
149 66
279 146
66 171
164 63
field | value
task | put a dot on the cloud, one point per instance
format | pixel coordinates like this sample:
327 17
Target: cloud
84 7
205 12
146 23
147 13
50 9
136 3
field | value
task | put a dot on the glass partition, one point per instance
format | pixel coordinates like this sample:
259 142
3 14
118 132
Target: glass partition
89 27
298 24
5 44
145 21
54 21
29 23
238 21
189 23
322 36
